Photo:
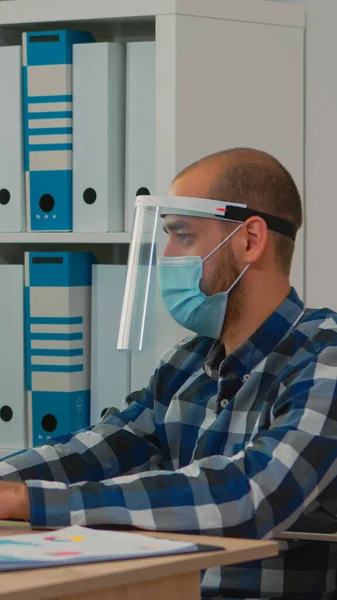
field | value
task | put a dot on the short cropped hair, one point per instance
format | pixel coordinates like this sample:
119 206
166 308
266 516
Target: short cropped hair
252 177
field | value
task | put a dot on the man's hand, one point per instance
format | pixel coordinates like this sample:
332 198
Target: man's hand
14 501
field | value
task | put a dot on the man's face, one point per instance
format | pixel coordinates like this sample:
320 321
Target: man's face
197 236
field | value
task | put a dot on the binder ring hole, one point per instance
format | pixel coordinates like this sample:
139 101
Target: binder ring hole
49 423
6 414
4 196
47 202
143 191
89 196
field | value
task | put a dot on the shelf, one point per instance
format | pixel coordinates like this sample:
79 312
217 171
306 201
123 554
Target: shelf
64 238
38 11
21 12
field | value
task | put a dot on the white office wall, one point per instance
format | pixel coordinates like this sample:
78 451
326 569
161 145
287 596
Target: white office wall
320 152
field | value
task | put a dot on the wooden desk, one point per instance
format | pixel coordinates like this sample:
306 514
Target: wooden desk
175 577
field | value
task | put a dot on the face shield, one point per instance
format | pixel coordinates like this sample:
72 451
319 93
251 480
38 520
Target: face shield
162 232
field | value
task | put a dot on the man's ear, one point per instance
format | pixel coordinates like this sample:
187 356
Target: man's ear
255 234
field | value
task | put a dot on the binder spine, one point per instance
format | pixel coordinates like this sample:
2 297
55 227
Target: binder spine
47 93
13 417
58 310
99 137
12 214
140 161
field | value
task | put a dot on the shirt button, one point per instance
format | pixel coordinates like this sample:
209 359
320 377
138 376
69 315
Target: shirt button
246 377
223 403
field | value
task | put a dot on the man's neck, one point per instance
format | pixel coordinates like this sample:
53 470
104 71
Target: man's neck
255 310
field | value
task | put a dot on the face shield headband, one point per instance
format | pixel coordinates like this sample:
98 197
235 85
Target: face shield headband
142 306
228 211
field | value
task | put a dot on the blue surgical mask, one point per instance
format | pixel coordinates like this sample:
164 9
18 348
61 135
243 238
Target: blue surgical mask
179 278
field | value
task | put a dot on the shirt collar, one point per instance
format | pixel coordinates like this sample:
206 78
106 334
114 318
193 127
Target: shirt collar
245 358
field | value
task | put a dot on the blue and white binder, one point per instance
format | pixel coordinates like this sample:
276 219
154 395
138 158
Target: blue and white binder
58 322
47 91
140 161
13 409
110 368
99 137
12 202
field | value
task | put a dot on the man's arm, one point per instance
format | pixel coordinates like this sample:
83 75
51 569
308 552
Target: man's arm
259 492
14 501
117 444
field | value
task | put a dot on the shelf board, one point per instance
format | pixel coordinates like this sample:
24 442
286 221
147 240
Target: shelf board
64 238
25 12
16 12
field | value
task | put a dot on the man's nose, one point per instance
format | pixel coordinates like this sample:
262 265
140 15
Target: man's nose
169 249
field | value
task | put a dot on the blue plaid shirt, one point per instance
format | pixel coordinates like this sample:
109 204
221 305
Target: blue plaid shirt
243 446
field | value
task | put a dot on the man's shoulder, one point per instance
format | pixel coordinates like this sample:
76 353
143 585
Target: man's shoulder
309 352
320 327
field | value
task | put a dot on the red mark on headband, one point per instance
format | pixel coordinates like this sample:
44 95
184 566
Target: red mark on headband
222 210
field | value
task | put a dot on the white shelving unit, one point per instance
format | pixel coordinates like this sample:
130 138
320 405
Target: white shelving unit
228 73
33 12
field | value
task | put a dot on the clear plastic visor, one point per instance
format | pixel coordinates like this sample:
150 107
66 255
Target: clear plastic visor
142 305
140 295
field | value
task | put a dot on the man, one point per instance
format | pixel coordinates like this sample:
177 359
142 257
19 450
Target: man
235 436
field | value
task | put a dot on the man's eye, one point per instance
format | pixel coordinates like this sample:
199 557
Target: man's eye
184 237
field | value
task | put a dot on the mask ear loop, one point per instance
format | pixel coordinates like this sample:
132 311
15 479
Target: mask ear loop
238 279
217 248
221 243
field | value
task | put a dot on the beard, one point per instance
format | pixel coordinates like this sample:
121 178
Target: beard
227 270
